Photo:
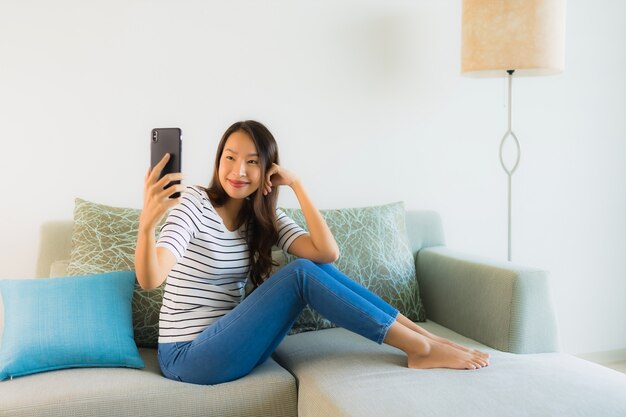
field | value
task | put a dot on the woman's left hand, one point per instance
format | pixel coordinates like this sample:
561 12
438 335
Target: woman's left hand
276 176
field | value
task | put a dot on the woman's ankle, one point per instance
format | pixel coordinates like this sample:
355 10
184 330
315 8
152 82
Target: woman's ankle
407 340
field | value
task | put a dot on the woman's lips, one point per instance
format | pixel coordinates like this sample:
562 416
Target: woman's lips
238 184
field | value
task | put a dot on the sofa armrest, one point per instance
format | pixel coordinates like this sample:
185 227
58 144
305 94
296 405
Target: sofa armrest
502 305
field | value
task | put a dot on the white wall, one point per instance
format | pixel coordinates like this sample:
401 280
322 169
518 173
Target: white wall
368 106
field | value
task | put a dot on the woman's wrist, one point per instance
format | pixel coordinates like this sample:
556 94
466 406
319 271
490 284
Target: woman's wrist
295 184
145 229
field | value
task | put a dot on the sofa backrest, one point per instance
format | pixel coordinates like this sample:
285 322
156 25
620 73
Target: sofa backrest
55 244
424 229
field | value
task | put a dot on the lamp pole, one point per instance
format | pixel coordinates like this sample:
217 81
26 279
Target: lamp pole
510 171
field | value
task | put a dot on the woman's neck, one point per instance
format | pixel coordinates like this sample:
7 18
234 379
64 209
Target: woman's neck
229 213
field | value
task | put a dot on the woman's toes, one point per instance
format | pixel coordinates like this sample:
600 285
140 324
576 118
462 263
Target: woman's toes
483 355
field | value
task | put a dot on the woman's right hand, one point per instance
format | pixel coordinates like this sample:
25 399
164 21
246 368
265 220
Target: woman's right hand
156 201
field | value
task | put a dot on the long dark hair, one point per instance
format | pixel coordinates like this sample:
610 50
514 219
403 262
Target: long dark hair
258 211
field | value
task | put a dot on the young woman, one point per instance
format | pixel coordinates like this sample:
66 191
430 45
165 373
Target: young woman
215 239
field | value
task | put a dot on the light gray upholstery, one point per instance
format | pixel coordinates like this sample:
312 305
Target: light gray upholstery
502 305
269 390
55 244
424 229
494 306
341 374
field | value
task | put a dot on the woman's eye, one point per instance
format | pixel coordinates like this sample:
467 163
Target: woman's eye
252 161
230 158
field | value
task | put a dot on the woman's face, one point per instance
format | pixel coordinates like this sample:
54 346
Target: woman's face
239 169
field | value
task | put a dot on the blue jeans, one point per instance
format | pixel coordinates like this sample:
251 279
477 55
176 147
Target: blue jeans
245 337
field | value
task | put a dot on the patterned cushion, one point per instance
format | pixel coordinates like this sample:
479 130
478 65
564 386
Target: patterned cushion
373 242
103 240
375 252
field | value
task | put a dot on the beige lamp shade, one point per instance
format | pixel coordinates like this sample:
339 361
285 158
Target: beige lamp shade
527 36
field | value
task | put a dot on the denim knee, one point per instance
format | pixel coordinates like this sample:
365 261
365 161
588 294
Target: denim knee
302 264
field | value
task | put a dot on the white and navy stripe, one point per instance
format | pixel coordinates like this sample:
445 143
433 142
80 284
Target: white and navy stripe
212 266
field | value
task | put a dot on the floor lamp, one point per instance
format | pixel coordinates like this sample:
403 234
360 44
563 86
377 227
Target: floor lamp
507 37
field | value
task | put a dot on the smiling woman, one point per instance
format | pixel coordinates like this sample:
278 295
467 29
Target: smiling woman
245 156
239 170
215 239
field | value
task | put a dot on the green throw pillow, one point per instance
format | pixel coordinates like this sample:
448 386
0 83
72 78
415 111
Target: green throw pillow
375 252
103 240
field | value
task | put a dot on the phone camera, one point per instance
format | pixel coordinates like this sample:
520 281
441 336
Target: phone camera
155 137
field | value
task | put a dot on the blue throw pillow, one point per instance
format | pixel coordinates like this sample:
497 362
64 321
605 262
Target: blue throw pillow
56 323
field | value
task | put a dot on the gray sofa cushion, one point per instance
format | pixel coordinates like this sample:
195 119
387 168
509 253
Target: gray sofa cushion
342 374
375 252
268 390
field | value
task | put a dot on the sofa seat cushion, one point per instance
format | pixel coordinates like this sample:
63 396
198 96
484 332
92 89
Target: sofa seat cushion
268 390
342 374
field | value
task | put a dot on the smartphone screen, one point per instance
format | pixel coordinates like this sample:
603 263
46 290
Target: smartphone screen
167 140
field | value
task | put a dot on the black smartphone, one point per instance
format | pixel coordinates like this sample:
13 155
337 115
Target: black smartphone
167 140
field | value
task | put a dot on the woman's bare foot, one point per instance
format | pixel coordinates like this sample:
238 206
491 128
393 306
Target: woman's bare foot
483 355
418 329
442 355
425 353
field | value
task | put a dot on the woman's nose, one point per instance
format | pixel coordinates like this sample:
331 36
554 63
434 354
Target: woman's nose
242 170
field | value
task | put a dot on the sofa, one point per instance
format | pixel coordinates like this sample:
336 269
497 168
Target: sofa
498 307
